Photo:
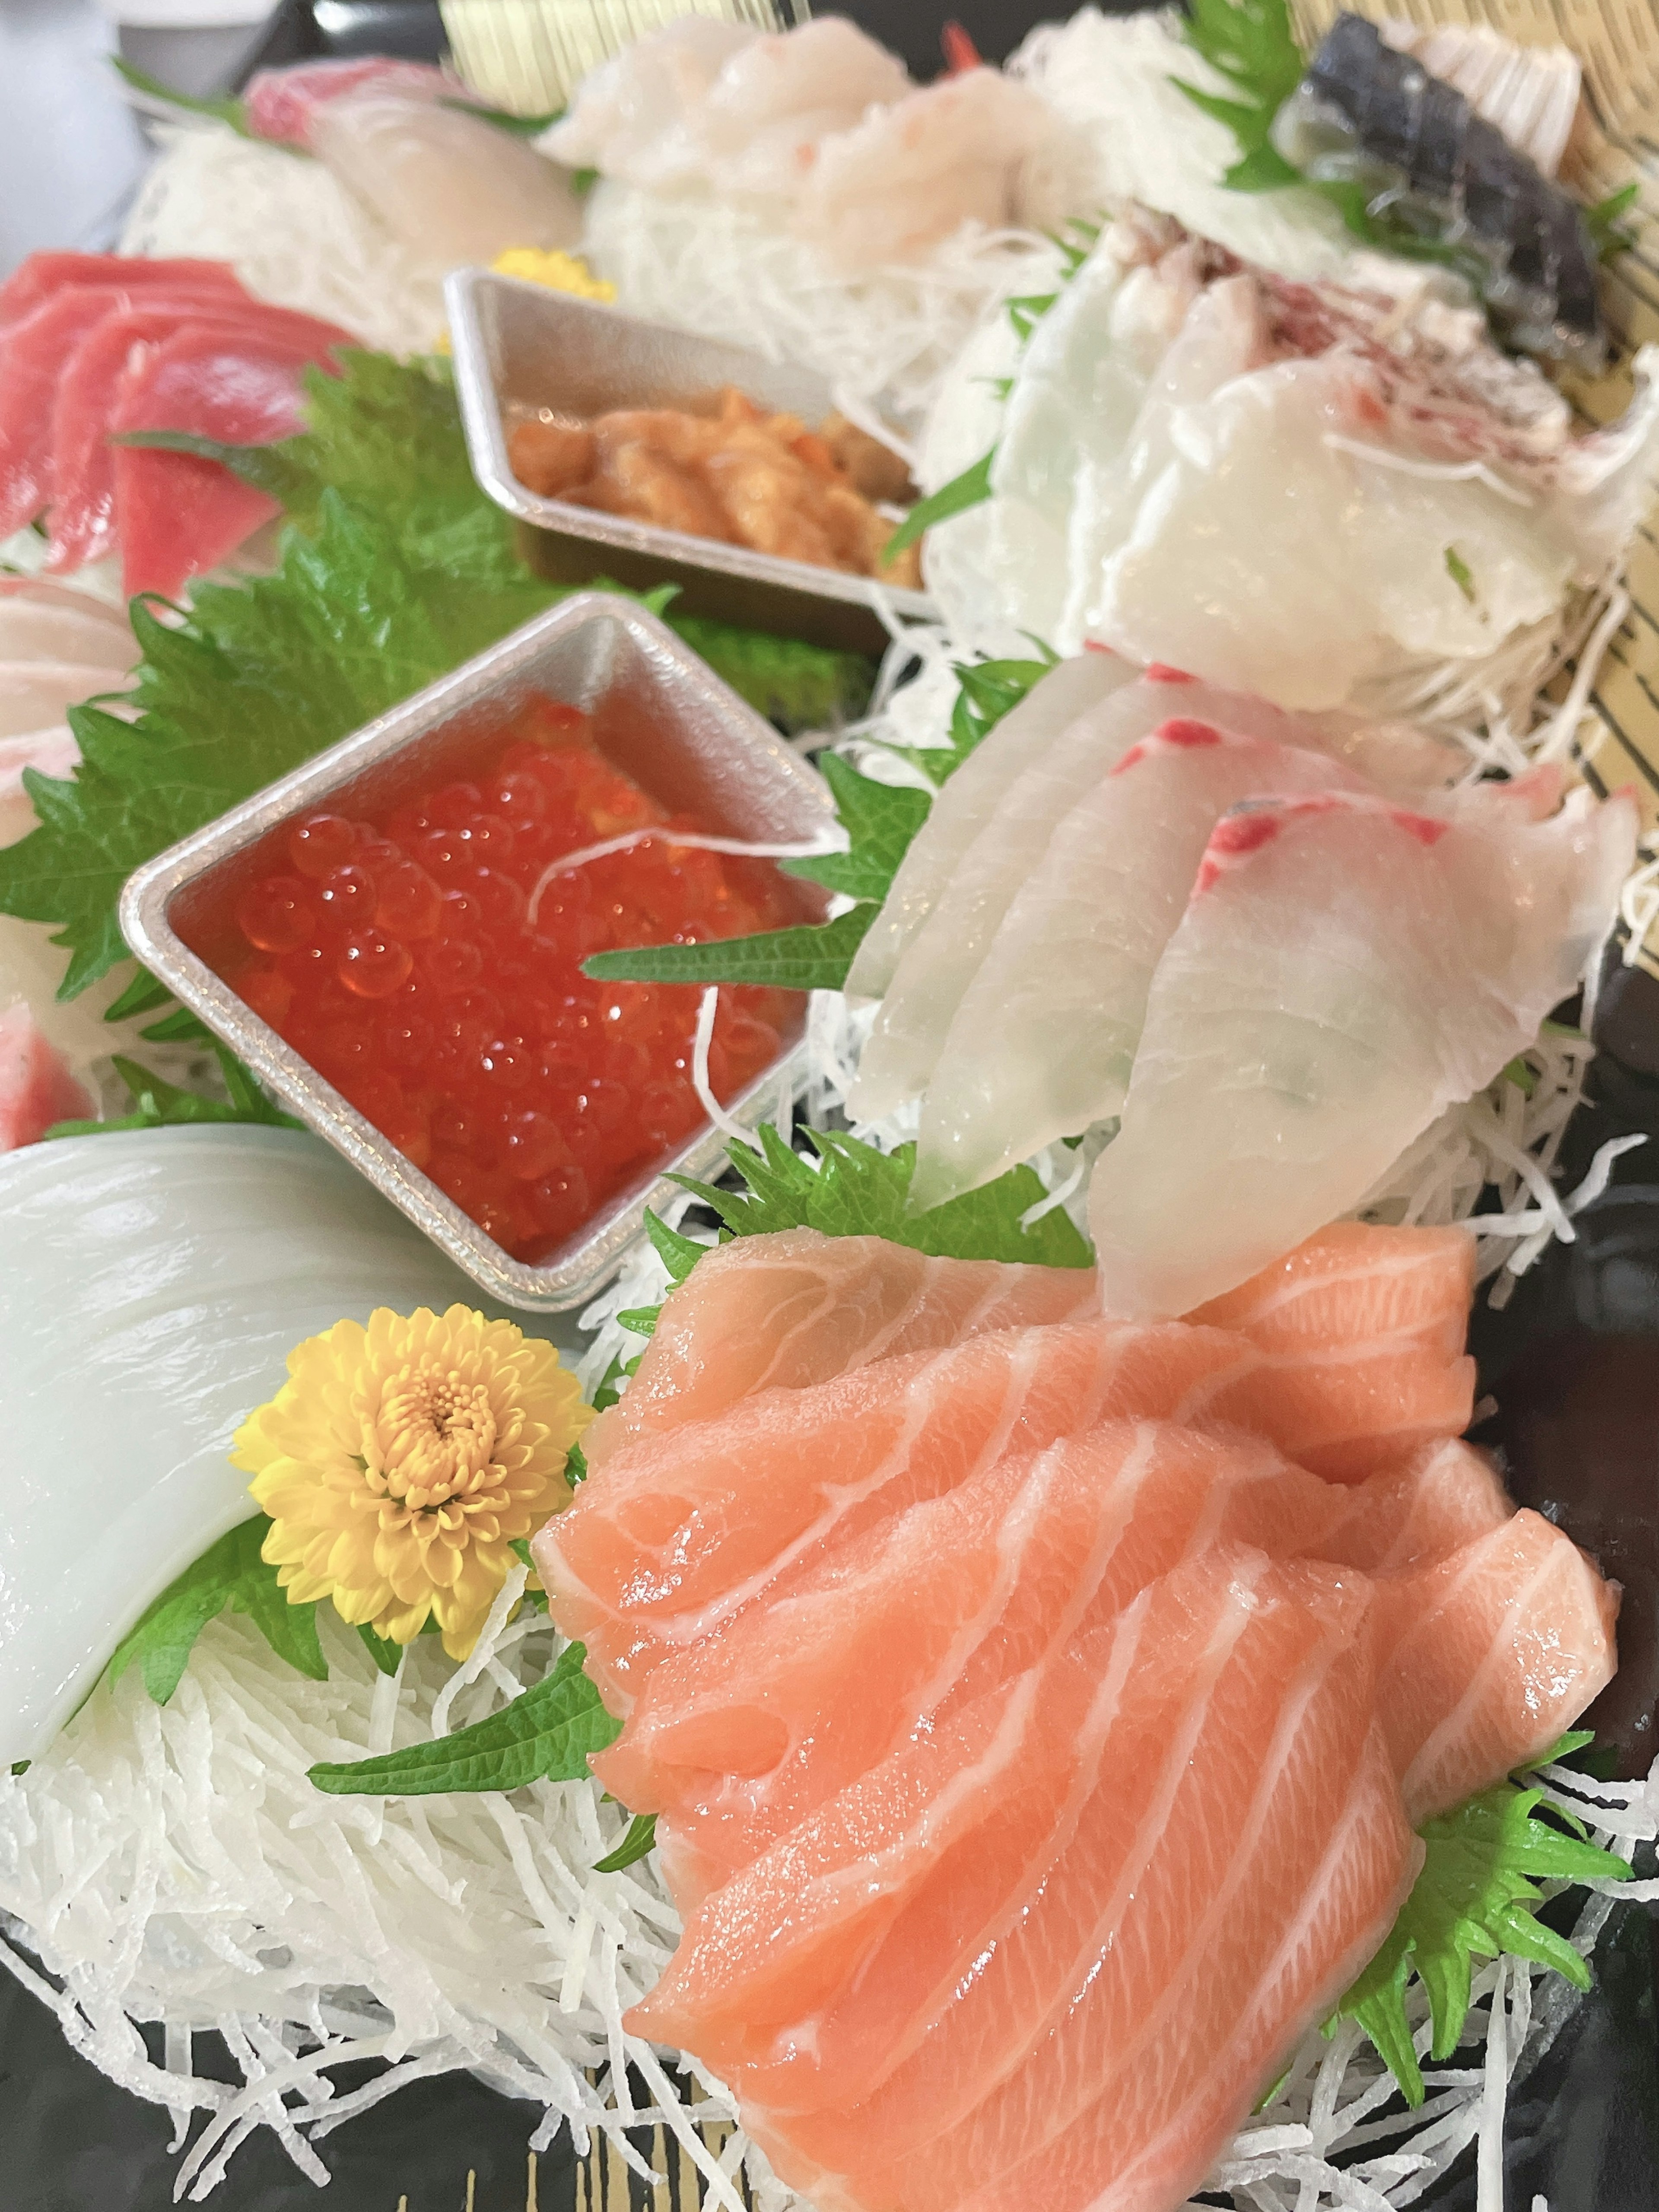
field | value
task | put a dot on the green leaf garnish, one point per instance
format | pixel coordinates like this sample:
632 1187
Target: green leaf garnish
387 1656
811 956
230 1573
547 1734
222 111
971 488
880 820
640 1841
1608 236
1474 1899
857 1191
1461 574
1250 43
162 1105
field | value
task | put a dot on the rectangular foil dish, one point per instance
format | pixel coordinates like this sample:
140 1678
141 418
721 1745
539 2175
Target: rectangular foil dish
521 351
661 718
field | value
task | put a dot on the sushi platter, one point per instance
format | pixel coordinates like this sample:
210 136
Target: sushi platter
828 1059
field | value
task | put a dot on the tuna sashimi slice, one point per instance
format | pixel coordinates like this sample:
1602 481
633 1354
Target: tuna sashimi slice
179 514
36 1088
1044 1038
944 955
1490 1655
1346 970
42 275
1238 1742
781 1311
741 1736
971 800
82 461
33 354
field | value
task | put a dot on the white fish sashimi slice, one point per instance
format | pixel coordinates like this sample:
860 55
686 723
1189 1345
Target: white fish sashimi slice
49 622
971 799
1344 970
1043 1041
944 956
35 695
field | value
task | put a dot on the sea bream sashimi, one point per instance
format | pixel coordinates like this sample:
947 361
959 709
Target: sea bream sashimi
970 801
783 1311
942 956
1044 1036
1344 970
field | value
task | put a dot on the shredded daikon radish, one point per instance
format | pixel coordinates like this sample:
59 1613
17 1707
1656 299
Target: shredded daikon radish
730 272
291 230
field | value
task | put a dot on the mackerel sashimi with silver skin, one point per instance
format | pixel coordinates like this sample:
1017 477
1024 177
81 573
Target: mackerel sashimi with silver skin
1141 1710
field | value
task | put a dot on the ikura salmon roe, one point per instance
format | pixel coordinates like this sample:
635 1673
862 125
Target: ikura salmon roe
429 965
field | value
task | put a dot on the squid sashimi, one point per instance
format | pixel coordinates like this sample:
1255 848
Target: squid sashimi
83 511
942 958
1344 970
1227 1753
969 802
783 1311
1045 1035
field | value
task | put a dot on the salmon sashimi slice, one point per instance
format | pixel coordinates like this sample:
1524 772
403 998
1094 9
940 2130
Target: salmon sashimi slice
969 1809
83 520
738 1738
1356 1285
1241 1726
1344 970
1488 1656
784 1311
679 1531
1444 1495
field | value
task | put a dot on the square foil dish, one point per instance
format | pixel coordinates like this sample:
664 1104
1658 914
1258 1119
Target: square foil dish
660 716
522 351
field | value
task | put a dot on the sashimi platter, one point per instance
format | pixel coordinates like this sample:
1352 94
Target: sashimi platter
804 881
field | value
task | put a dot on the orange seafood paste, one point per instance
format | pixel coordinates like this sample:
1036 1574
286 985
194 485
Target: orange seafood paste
429 965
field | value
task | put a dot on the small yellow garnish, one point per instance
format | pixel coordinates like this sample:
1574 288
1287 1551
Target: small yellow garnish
400 1462
560 272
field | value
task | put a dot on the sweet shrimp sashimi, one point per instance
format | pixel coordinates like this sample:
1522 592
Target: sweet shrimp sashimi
1344 970
736 1740
794 1308
1044 1038
945 954
970 801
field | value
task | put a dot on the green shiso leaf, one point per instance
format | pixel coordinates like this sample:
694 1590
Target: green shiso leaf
812 956
546 1735
387 1656
1608 236
880 819
1250 43
158 1104
854 1191
222 111
640 1841
1474 1899
230 1573
971 488
394 569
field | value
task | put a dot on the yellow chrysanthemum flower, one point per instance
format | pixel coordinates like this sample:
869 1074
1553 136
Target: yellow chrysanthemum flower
399 1463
